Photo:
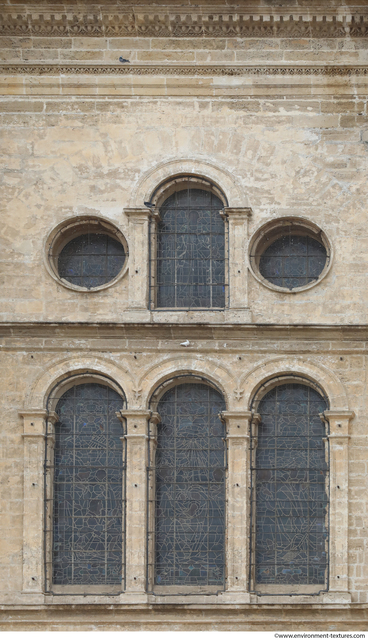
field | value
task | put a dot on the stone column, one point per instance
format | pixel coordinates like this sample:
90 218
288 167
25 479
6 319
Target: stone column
238 259
136 500
238 499
34 433
339 510
138 259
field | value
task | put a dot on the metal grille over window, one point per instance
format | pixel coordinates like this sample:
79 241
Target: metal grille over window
91 260
293 261
87 546
191 251
190 488
289 489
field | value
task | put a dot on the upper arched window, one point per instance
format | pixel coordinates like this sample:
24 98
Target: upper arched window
290 491
87 532
189 475
191 267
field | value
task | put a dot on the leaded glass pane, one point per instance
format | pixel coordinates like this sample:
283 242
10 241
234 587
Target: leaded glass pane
290 500
293 261
190 488
88 509
91 260
191 251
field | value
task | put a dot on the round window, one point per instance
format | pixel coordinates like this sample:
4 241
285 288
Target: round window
91 260
290 255
87 254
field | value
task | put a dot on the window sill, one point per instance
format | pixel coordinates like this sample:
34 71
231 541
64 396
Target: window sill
198 316
325 597
226 598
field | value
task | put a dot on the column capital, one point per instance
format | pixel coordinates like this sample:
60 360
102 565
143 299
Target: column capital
135 414
34 421
238 423
155 417
240 415
238 213
138 212
339 423
339 414
33 413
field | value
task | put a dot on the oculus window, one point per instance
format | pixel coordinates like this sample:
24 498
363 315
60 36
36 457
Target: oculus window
289 511
88 473
189 503
91 260
87 254
190 269
290 255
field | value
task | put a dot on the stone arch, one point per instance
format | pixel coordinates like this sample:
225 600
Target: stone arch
219 176
310 370
182 366
59 372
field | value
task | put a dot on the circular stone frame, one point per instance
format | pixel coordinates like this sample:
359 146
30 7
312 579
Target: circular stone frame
72 228
275 229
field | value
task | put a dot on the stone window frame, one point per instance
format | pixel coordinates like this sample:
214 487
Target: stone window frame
236 531
142 240
272 230
72 228
39 427
155 399
337 437
159 196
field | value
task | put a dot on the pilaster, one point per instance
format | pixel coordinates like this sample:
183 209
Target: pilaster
138 257
34 433
238 259
136 499
238 497
339 510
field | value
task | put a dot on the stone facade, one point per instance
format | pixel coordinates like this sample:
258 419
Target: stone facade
270 106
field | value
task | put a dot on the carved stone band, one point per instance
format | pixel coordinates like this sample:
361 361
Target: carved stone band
180 70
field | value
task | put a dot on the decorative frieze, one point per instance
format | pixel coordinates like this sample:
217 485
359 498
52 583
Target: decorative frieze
152 22
180 70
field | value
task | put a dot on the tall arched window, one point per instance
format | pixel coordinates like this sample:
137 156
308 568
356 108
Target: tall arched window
190 489
87 532
290 491
190 271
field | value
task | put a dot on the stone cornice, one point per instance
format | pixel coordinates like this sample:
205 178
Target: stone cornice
181 70
16 335
183 22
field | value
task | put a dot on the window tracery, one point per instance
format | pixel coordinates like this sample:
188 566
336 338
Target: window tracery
289 469
88 472
189 471
190 268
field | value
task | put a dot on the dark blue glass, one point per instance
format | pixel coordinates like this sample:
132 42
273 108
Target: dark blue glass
191 251
91 260
87 530
290 500
190 488
293 261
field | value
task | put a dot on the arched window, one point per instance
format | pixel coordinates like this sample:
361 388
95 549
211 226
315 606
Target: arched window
191 269
190 489
87 532
289 491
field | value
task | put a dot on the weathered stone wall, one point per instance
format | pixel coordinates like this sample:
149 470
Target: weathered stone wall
272 110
